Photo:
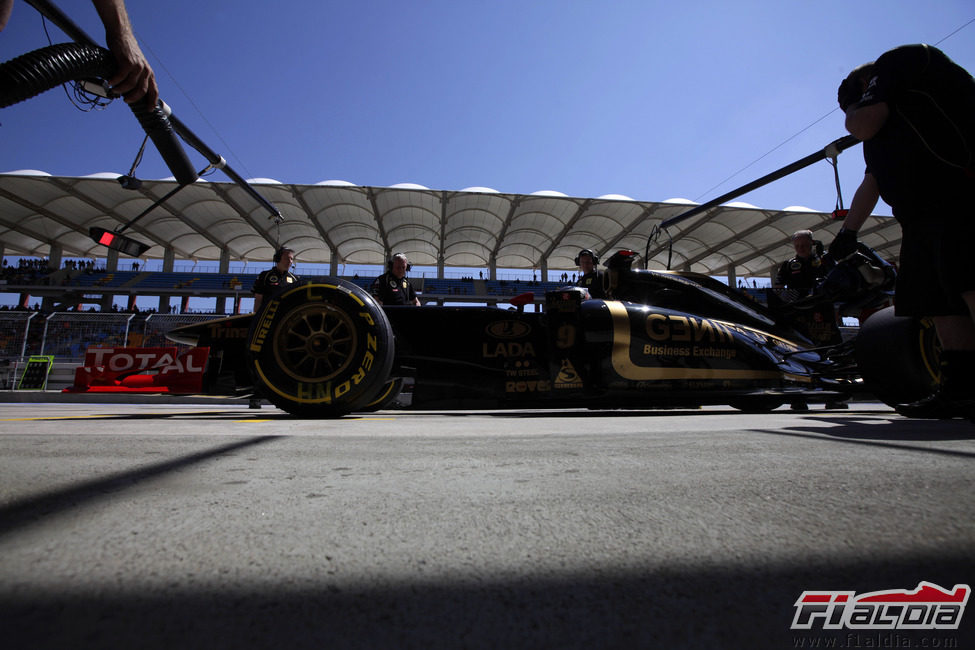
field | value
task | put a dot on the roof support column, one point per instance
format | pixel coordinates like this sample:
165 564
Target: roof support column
443 235
169 263
493 268
111 265
221 306
544 274
53 263
54 257
732 278
333 261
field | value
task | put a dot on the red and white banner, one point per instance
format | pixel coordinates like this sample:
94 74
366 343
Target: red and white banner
141 370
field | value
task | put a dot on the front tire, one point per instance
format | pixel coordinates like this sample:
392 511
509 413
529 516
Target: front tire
320 350
898 357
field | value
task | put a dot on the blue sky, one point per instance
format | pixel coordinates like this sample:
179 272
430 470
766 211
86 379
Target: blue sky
652 100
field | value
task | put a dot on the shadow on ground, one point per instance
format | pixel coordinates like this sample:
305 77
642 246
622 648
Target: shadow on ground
666 608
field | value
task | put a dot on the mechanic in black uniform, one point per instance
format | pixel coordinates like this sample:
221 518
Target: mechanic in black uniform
805 269
392 287
279 275
265 286
914 110
799 276
589 278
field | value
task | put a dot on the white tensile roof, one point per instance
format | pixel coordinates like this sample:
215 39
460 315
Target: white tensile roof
335 222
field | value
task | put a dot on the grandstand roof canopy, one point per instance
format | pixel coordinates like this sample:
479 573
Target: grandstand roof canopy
340 223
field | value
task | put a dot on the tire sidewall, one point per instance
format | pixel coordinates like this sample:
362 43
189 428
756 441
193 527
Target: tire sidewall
320 348
898 357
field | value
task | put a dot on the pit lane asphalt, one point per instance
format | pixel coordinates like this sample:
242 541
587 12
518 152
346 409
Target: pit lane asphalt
212 525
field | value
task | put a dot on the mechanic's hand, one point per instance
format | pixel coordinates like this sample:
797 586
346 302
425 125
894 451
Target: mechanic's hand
134 79
844 244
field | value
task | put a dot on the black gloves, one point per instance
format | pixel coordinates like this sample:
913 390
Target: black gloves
844 245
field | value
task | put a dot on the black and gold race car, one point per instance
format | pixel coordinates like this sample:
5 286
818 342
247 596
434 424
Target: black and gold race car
640 339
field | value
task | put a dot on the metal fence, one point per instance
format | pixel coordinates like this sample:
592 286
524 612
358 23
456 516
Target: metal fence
156 326
14 326
68 335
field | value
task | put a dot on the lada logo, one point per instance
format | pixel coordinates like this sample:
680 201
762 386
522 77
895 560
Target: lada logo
507 350
508 329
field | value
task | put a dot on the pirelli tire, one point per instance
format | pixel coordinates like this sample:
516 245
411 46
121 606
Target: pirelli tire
898 357
321 349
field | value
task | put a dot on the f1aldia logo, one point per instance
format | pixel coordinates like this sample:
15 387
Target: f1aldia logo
929 607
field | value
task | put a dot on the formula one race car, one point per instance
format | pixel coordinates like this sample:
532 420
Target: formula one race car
642 338
651 339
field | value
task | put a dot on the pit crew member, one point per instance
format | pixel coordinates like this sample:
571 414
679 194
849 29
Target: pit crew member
279 275
393 287
914 110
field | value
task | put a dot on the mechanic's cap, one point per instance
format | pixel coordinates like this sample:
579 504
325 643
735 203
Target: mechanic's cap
851 88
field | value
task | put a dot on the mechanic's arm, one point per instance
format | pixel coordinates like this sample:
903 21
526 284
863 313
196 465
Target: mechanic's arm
863 122
134 78
778 281
5 7
258 301
864 201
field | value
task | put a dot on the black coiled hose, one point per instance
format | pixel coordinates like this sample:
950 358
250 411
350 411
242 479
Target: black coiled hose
38 71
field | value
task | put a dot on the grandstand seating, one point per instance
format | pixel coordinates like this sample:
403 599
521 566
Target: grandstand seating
108 280
148 283
506 288
451 287
365 283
